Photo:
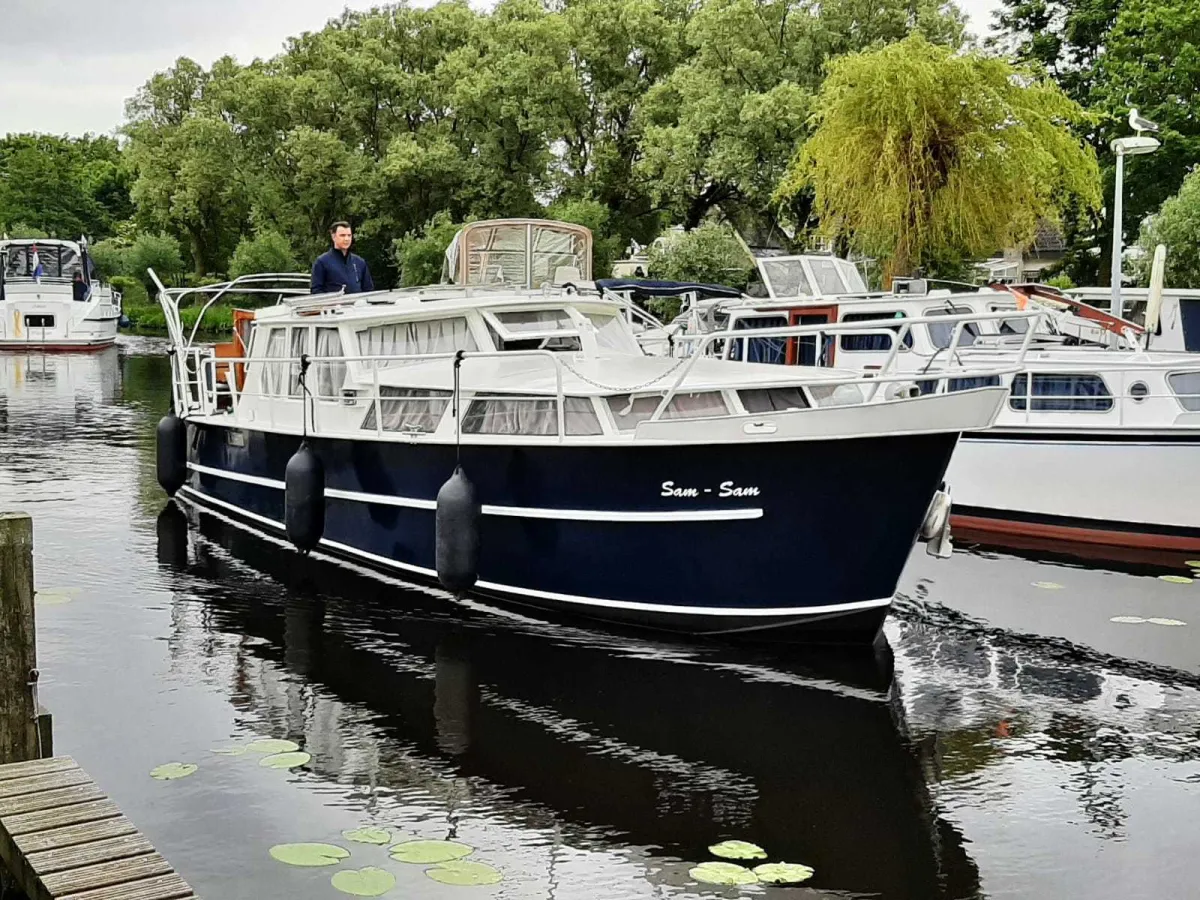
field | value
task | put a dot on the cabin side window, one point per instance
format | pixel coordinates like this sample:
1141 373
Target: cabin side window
762 400
874 342
329 376
1065 392
428 337
408 409
1186 387
1009 326
500 414
297 348
940 335
628 411
764 350
273 373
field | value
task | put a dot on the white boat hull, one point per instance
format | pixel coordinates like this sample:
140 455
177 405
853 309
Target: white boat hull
1124 489
29 321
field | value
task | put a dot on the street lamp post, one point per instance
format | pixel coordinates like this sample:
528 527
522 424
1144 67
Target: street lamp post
1125 146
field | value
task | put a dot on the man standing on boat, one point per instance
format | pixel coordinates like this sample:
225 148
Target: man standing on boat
339 269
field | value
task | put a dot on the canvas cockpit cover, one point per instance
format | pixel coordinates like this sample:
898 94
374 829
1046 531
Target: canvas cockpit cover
519 253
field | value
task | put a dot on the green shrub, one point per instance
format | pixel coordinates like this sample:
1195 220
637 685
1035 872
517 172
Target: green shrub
268 251
160 252
133 292
710 254
420 256
111 257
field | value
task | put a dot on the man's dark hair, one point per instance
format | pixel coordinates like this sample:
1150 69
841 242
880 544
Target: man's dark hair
336 225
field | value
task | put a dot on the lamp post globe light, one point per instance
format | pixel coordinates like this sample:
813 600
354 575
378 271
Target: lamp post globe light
1123 146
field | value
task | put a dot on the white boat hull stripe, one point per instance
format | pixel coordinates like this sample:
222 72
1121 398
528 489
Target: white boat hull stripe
520 512
780 612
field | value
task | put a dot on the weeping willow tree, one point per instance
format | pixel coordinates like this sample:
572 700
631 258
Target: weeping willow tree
922 154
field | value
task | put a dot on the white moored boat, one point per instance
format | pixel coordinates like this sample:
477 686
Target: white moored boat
693 495
50 298
1098 443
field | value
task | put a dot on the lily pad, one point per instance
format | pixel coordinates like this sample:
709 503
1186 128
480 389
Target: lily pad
429 851
368 882
1176 579
368 834
783 873
1194 563
54 596
285 760
737 850
1158 620
1128 620
465 872
722 873
230 751
1047 585
171 771
309 854
272 745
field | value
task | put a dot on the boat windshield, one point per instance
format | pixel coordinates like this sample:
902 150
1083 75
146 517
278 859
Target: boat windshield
518 253
56 261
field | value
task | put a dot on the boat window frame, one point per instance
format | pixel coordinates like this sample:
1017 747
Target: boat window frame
1030 399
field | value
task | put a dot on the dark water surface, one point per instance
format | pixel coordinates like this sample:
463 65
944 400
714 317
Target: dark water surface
966 759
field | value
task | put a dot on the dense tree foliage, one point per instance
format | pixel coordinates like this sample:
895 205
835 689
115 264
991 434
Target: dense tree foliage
1177 227
625 115
62 187
1110 56
927 157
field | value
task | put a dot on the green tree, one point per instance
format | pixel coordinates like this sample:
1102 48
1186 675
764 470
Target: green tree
420 256
111 257
1109 56
710 254
267 251
65 187
607 245
160 252
1177 226
925 156
720 129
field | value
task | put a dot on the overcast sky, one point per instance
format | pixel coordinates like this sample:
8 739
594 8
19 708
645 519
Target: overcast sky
67 66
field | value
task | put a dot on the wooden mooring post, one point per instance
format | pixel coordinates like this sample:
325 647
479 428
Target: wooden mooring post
24 725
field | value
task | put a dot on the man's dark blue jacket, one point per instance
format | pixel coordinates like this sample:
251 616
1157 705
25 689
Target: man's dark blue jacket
334 269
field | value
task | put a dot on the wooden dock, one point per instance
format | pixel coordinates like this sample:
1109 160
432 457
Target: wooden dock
61 838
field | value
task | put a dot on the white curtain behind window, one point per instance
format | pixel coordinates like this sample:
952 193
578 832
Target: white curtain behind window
298 348
506 415
414 339
272 380
329 375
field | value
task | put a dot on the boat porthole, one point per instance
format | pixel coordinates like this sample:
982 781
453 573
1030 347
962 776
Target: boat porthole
1139 391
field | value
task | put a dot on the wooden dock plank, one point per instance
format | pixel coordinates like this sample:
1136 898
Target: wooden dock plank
135 868
164 887
37 767
50 861
57 818
32 784
56 799
71 835
63 839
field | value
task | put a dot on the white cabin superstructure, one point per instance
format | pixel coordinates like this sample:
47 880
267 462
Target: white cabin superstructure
50 298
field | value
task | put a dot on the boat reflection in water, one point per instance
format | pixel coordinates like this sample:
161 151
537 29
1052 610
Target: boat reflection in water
619 744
